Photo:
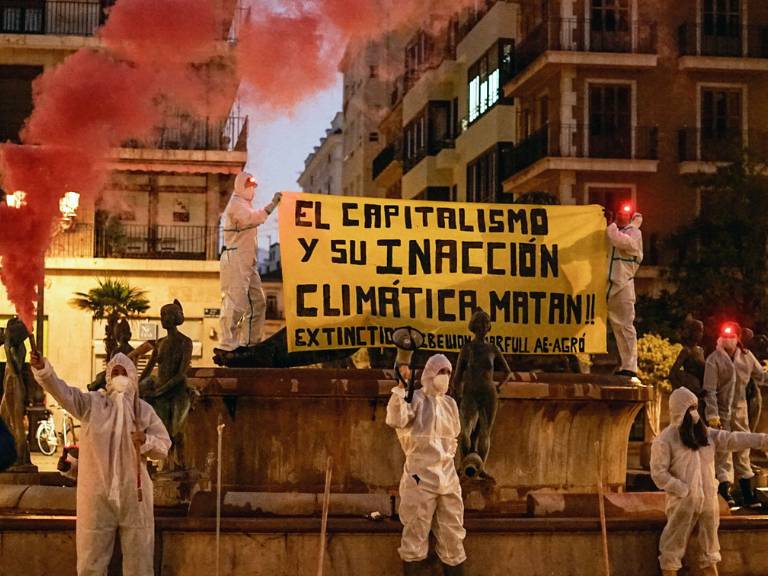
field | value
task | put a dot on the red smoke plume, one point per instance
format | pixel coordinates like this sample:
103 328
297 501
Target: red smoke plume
161 54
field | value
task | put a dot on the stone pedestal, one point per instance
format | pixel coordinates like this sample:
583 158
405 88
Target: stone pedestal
176 488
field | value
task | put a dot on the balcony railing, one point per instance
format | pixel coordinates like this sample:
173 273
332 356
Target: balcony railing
582 141
61 17
433 148
727 145
384 158
585 35
184 132
476 14
735 42
133 241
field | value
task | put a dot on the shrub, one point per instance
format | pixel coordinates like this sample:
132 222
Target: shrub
655 357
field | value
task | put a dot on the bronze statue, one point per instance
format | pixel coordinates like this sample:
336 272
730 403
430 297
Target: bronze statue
688 369
168 392
14 403
477 394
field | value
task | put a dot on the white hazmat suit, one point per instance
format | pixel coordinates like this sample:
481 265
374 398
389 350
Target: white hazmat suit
430 493
688 478
243 303
107 495
625 258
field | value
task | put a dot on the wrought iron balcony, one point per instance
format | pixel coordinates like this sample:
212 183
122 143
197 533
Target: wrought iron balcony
735 41
585 35
60 17
582 141
720 145
154 242
185 132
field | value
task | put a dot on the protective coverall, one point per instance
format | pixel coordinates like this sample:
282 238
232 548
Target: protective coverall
243 303
719 387
625 257
107 495
688 478
430 493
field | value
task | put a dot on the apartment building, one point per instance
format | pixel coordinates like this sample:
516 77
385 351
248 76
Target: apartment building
157 225
371 69
323 166
624 100
449 125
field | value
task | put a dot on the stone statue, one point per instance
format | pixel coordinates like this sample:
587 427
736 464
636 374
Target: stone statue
168 392
13 405
122 343
477 394
688 369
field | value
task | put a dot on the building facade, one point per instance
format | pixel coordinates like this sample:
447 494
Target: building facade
625 100
323 167
157 223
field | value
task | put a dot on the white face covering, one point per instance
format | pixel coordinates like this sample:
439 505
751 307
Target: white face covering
440 384
119 384
695 416
729 344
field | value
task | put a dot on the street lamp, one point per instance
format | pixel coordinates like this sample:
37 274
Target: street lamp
16 200
68 205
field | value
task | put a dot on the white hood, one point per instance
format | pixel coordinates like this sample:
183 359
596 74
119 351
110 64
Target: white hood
431 368
680 401
241 190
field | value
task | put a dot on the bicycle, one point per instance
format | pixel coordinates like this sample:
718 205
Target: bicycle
48 438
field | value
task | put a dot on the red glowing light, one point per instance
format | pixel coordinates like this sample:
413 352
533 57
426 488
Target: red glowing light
627 208
729 330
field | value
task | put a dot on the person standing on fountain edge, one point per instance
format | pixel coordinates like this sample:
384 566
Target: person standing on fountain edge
683 465
114 440
625 257
243 304
430 493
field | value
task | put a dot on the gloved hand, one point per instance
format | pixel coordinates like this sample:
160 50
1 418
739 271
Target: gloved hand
714 423
276 198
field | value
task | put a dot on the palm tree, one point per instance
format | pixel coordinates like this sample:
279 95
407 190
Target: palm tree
113 300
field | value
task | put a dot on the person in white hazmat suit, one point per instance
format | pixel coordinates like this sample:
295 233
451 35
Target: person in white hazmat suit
683 465
726 374
243 305
626 254
107 494
430 493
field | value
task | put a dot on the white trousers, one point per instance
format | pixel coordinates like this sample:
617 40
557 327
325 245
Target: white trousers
621 315
243 304
421 511
735 465
683 516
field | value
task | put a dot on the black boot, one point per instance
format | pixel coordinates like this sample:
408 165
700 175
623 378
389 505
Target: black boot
725 492
453 570
747 494
415 568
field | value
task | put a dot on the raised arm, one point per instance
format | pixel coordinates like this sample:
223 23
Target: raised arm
73 400
662 477
630 241
400 413
676 372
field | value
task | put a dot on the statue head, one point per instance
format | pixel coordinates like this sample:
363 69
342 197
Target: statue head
480 323
172 315
15 332
123 331
693 331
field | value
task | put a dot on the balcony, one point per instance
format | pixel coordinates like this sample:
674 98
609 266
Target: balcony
433 148
583 42
135 241
738 48
389 158
701 150
52 17
580 147
184 132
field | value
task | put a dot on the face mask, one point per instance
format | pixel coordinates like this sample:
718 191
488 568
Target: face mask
729 344
119 384
695 416
440 384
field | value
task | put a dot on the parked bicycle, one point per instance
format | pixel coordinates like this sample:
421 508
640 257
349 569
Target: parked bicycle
48 438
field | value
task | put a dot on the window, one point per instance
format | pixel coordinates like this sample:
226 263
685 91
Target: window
485 174
721 27
15 99
431 131
610 15
485 78
610 121
721 122
273 313
609 197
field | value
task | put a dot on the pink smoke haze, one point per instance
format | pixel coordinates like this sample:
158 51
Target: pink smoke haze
161 56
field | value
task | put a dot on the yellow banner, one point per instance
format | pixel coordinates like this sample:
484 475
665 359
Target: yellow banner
355 269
